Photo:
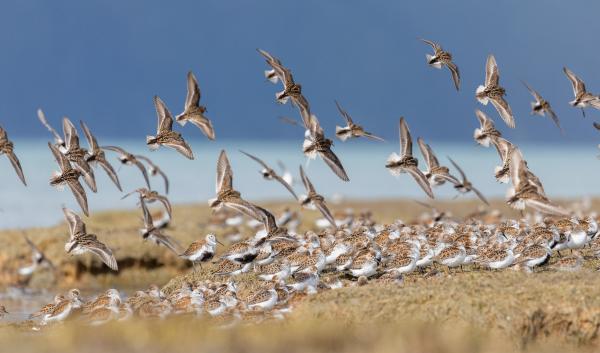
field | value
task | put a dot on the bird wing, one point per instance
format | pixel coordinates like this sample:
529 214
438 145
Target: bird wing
533 92
334 163
307 184
322 207
71 137
462 174
421 180
455 74
62 161
433 45
256 159
181 146
285 184
224 173
110 171
57 138
504 110
76 225
576 82
405 139
480 195
165 119
79 194
344 114
92 142
192 98
12 157
103 252
491 71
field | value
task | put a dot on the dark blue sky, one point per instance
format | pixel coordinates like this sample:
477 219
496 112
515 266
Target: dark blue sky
102 61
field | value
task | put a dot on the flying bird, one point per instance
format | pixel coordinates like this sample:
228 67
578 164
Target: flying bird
155 170
80 241
38 258
68 176
315 200
583 99
150 232
486 132
491 91
193 111
291 90
227 196
7 148
465 185
151 196
441 58
541 107
504 148
405 162
436 174
165 134
269 174
351 129
127 158
95 156
76 154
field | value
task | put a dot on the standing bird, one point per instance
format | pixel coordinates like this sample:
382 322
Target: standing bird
193 111
165 134
76 154
486 132
351 129
465 185
155 170
127 158
81 242
491 91
58 140
95 156
441 57
70 177
227 196
269 174
583 99
541 107
7 148
201 250
315 200
150 232
151 196
435 173
405 162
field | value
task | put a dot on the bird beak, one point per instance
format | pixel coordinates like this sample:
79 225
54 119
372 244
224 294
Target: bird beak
219 242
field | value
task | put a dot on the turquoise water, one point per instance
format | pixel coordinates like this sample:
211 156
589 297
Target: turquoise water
566 171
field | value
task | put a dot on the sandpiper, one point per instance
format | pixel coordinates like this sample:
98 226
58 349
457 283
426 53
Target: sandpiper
541 107
151 196
70 177
127 158
465 185
95 156
441 57
315 200
201 250
436 174
583 99
351 129
491 91
165 134
150 232
269 174
76 154
155 170
486 132
193 111
7 148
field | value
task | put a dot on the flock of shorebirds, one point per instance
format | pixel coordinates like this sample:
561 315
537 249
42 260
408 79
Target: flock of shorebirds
355 246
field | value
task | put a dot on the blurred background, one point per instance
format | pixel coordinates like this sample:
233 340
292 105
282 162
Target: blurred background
102 62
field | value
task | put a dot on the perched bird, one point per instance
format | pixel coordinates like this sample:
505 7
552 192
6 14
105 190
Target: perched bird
150 232
227 196
7 148
151 196
269 174
583 99
491 91
38 258
405 162
76 154
165 134
193 111
435 173
465 185
315 199
155 170
80 241
95 156
528 191
351 129
59 142
127 158
201 250
70 177
486 132
441 57
541 107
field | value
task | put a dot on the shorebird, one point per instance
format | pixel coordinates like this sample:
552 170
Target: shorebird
59 142
583 99
151 196
491 91
201 250
70 177
504 148
7 148
127 158
3 311
227 196
317 201
435 173
465 185
486 132
541 107
95 156
165 134
38 258
193 111
351 129
80 241
155 170
315 142
76 154
528 191
150 232
291 90
63 309
405 162
269 174
441 57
